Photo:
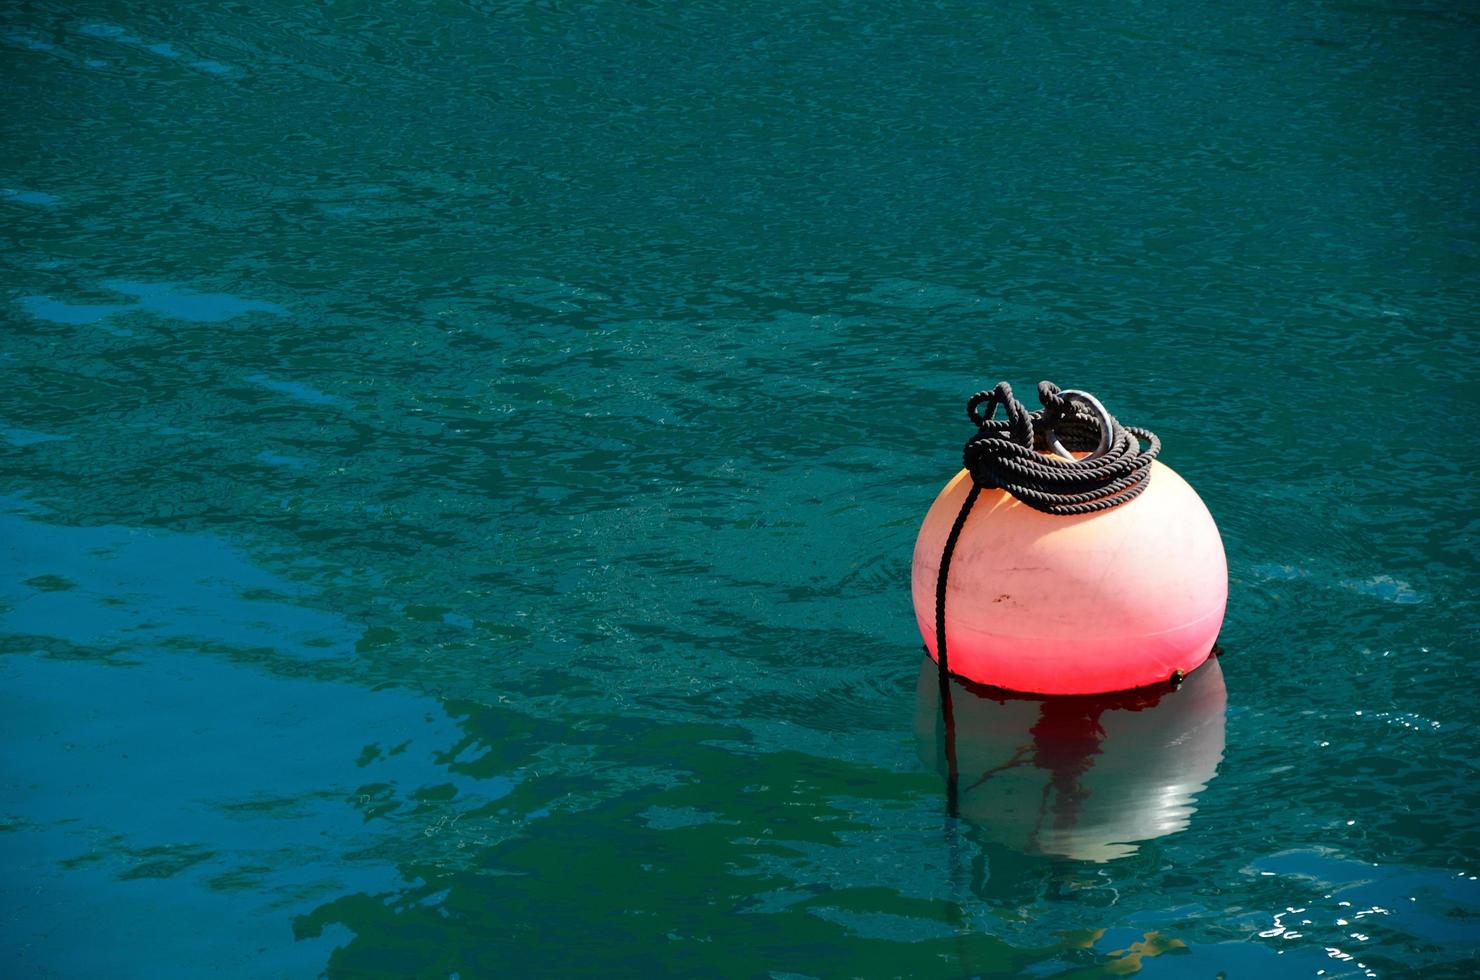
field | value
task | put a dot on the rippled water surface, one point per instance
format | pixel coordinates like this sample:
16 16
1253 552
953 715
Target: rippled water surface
461 463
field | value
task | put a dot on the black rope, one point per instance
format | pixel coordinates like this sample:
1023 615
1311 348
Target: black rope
947 714
1004 454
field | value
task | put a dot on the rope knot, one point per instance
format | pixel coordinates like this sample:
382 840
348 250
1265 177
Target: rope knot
1051 397
1019 423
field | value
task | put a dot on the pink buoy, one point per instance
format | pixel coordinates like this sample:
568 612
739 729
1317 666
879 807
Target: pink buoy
1083 604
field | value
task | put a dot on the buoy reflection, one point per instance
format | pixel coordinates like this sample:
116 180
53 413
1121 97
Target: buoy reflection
1083 777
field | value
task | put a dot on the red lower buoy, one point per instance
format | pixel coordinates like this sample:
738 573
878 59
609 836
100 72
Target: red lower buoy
1090 603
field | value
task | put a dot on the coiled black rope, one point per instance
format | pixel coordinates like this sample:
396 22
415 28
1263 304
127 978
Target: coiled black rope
1005 453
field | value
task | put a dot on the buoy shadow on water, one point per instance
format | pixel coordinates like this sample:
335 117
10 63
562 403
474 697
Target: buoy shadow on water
1086 777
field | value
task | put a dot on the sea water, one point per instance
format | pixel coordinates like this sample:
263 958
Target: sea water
461 462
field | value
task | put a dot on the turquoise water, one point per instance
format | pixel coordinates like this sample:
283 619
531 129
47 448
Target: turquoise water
461 463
